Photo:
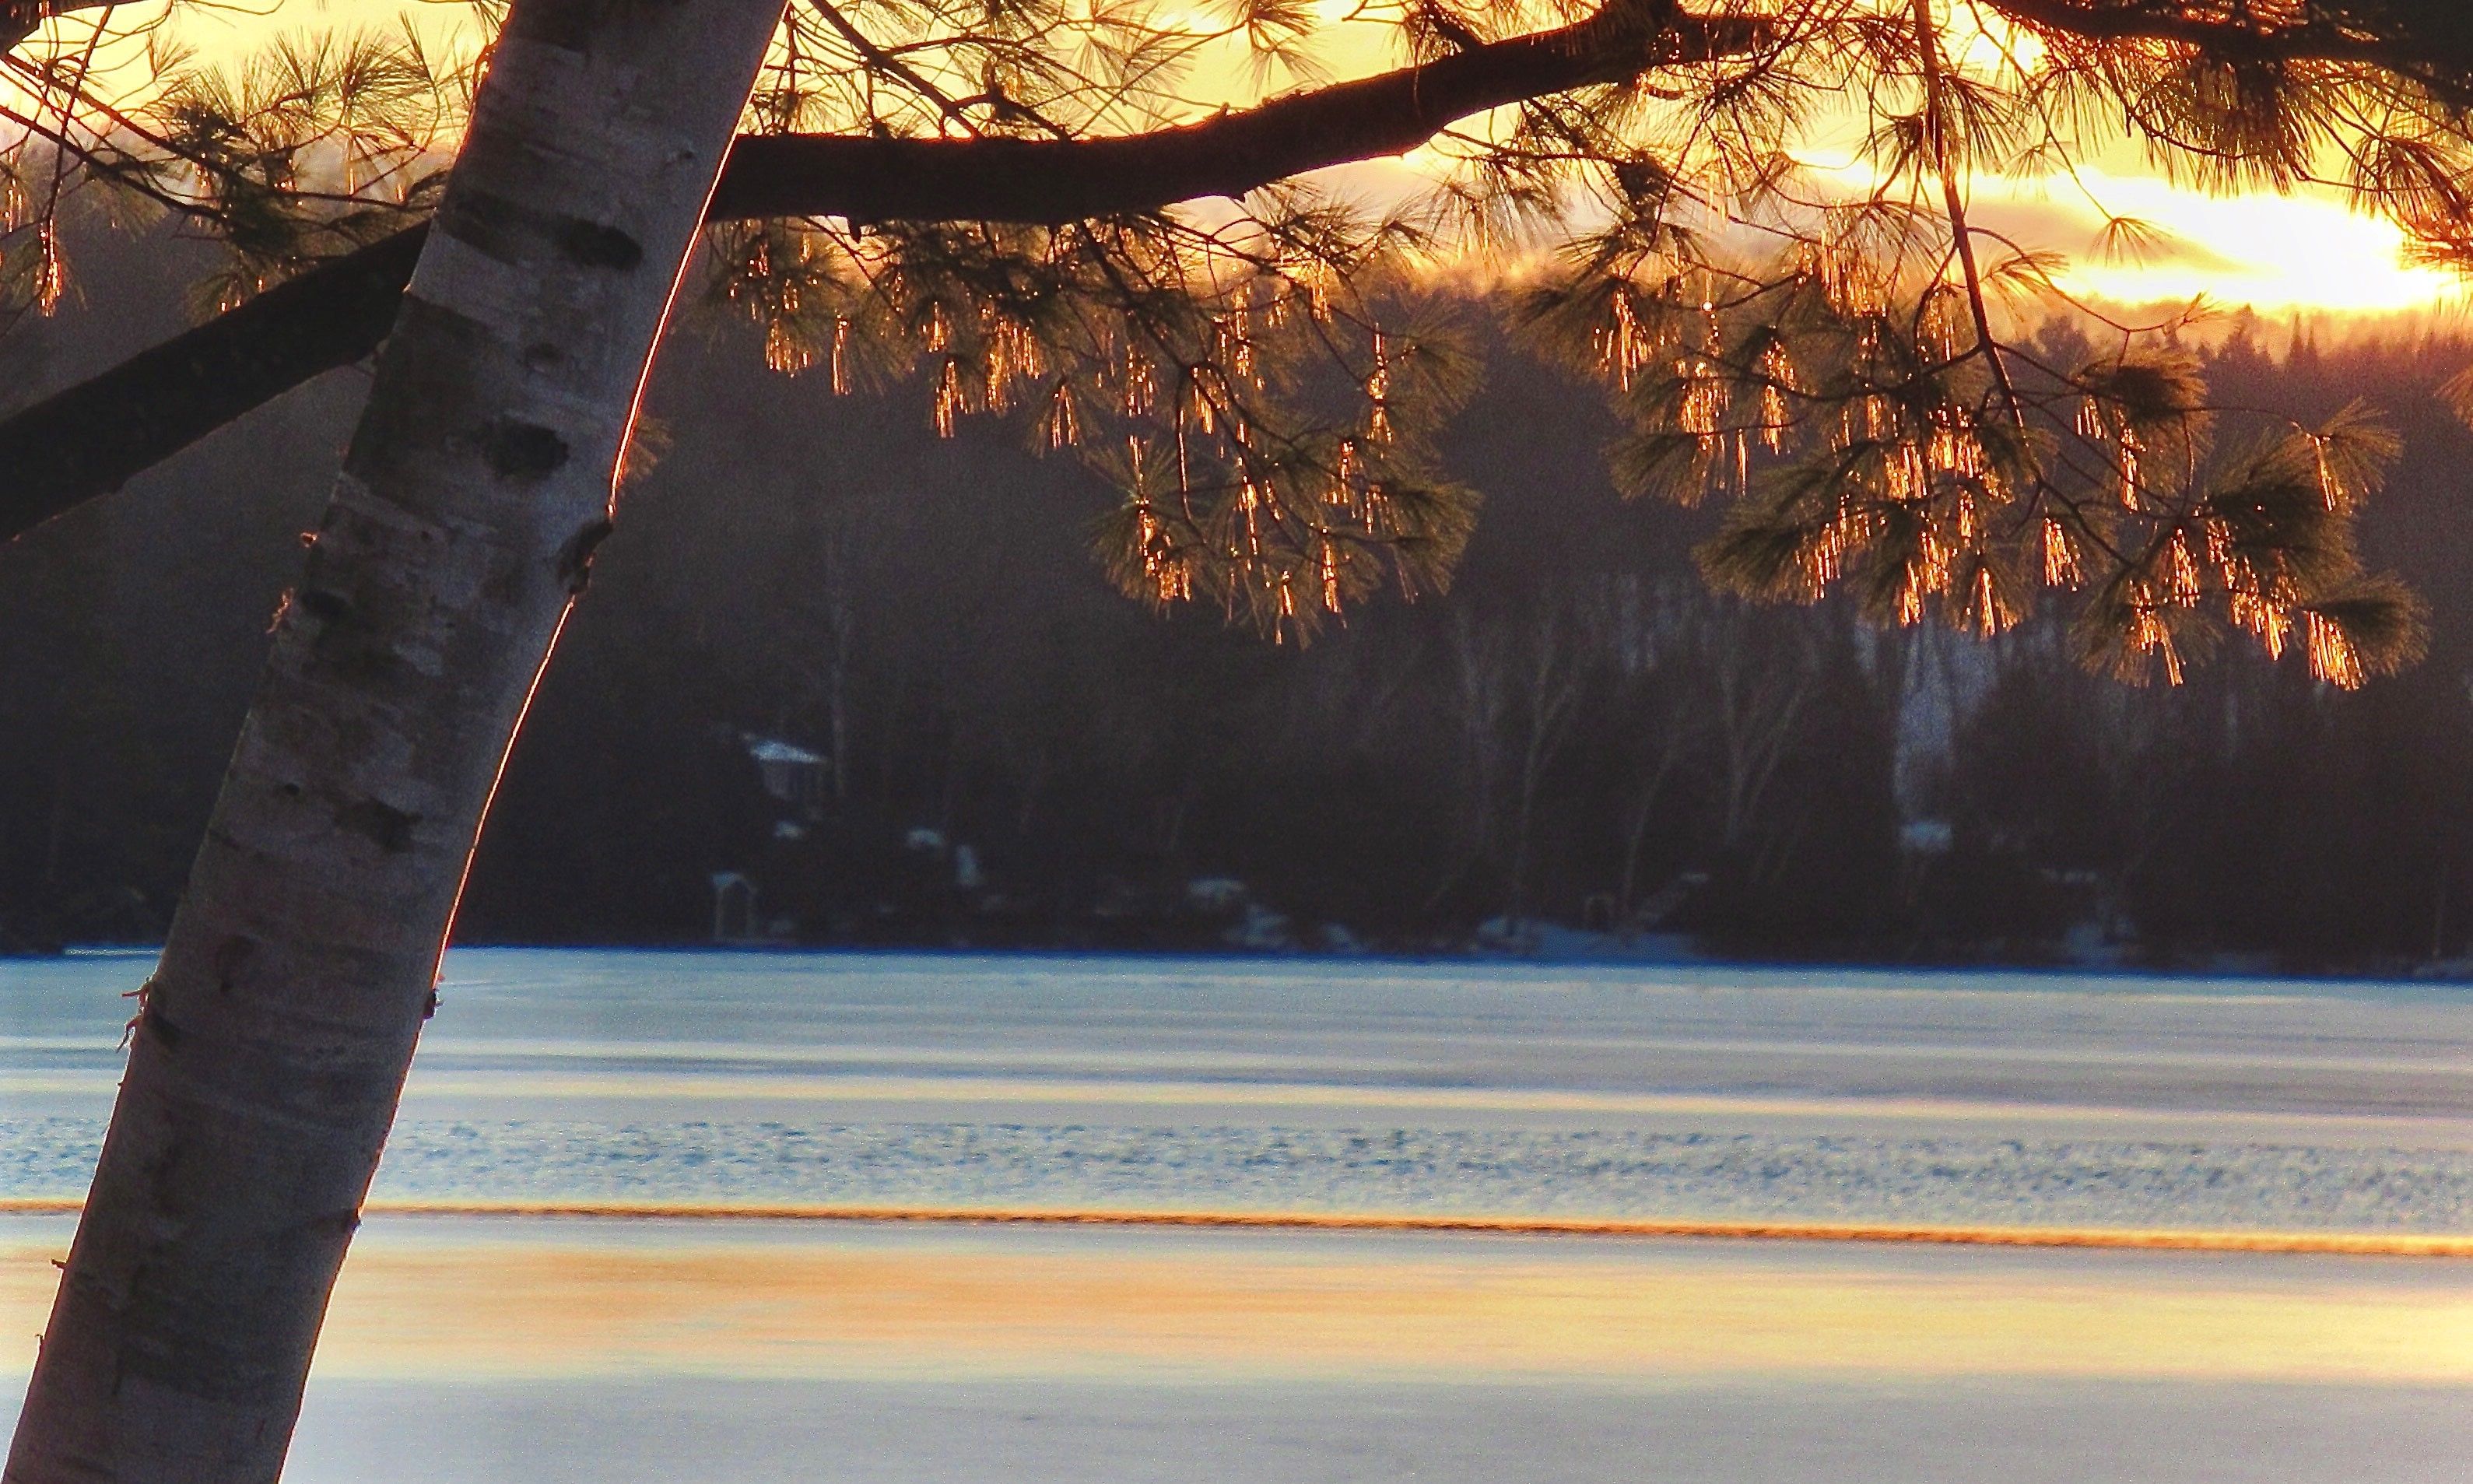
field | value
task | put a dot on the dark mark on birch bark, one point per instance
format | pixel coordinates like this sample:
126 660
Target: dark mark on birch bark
389 828
525 451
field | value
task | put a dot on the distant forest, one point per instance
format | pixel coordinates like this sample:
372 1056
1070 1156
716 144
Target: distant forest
973 740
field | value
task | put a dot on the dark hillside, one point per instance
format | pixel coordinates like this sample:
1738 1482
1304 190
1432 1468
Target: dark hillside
975 739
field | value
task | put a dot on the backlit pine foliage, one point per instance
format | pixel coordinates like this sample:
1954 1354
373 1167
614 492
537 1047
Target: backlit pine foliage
1766 252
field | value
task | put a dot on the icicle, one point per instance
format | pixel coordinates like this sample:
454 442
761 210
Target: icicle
1623 347
1000 368
1989 616
1933 556
1955 448
2148 635
1824 558
1147 533
784 353
1064 422
1378 391
1905 474
2220 547
2332 655
841 355
1241 357
1342 495
949 397
1932 336
2061 557
2184 588
2269 621
1777 379
1702 410
51 269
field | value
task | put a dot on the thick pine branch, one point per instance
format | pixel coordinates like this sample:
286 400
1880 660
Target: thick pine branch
1049 182
2428 42
21 18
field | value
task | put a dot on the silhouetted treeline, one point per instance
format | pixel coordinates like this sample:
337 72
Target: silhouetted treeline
973 738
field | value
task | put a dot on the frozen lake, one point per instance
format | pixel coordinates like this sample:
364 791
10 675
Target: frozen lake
533 1349
998 1083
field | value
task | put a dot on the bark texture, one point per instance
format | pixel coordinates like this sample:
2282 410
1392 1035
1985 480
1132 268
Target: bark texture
272 1040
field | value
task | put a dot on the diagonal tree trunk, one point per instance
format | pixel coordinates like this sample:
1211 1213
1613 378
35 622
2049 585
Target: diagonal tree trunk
273 1040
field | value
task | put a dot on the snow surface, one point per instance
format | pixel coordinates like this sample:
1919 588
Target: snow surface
1366 1086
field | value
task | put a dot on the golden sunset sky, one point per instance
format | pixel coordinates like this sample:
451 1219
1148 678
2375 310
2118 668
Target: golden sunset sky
2282 257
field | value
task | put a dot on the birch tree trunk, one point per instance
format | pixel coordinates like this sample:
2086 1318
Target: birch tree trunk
272 1040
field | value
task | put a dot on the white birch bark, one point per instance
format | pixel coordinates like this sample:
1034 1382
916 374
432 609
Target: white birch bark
274 1035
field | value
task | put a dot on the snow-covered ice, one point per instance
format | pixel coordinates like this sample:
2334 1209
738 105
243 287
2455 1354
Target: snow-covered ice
526 1350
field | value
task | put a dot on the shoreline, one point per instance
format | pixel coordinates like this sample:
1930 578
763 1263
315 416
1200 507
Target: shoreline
2356 1244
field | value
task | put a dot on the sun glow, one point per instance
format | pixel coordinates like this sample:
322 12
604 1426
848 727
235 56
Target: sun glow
2303 251
2307 251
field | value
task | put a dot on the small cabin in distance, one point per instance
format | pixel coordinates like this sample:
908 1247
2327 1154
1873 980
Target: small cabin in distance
734 910
790 772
